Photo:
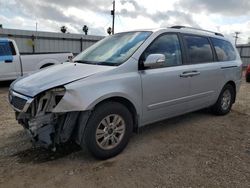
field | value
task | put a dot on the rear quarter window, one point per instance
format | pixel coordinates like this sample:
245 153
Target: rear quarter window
224 50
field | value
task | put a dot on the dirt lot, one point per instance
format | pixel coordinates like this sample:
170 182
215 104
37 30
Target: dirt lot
194 150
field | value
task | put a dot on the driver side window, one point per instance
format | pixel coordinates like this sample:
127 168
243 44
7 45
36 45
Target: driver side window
167 45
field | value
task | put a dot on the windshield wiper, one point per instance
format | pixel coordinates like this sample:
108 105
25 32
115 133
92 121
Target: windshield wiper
85 62
96 63
107 63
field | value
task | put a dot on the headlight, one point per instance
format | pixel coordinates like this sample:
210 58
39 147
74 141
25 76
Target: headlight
58 89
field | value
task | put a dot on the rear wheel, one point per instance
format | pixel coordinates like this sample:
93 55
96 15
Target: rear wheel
225 101
108 130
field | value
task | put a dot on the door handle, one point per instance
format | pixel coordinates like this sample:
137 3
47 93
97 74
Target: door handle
184 75
195 73
189 74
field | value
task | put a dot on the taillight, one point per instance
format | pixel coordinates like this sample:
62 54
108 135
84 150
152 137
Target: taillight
248 68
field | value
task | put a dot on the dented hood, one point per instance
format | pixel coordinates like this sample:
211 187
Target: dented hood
55 76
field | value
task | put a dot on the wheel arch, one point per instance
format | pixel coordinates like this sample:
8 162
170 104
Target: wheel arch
46 65
128 104
45 62
84 115
232 83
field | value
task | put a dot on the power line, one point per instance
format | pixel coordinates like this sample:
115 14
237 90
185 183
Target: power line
119 18
108 23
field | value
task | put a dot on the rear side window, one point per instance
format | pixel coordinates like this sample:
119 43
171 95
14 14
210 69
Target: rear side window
198 49
7 48
224 50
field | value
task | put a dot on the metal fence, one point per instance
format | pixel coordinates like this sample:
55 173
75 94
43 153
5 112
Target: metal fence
244 51
43 42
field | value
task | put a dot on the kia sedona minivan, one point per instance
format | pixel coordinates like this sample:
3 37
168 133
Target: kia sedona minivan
124 82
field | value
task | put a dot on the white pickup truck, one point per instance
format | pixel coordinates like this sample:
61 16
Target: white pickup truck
13 65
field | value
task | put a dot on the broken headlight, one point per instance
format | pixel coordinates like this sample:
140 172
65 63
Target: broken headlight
58 94
48 100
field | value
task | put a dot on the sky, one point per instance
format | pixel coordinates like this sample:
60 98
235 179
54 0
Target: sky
225 16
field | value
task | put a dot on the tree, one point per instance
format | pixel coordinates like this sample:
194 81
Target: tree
63 29
109 30
1 26
85 29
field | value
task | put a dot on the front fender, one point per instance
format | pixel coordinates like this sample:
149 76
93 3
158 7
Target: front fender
72 101
85 95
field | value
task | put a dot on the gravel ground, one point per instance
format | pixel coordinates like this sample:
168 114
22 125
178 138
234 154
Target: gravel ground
194 150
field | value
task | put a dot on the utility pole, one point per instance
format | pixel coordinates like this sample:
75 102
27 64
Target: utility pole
36 29
35 41
113 14
236 37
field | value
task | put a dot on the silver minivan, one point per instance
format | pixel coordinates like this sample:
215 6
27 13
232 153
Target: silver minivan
124 82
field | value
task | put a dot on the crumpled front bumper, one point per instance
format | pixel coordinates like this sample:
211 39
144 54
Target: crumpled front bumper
41 125
46 127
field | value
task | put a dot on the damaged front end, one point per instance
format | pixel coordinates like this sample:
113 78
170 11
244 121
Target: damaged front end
36 115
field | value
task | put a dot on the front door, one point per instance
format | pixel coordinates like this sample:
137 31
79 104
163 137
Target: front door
165 92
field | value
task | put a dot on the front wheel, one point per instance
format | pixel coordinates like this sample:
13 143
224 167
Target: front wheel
225 101
108 130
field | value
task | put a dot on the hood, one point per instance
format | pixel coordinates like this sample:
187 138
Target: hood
55 76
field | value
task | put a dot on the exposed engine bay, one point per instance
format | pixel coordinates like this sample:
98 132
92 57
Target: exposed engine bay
46 128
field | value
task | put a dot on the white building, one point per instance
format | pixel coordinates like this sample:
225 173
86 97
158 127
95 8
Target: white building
244 51
47 42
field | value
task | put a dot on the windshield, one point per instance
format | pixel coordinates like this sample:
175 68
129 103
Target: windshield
113 50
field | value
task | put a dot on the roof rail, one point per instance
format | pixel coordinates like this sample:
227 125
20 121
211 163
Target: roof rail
180 27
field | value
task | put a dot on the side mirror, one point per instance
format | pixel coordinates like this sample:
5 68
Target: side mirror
154 60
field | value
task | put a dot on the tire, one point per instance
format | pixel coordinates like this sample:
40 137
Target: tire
105 140
248 77
225 101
